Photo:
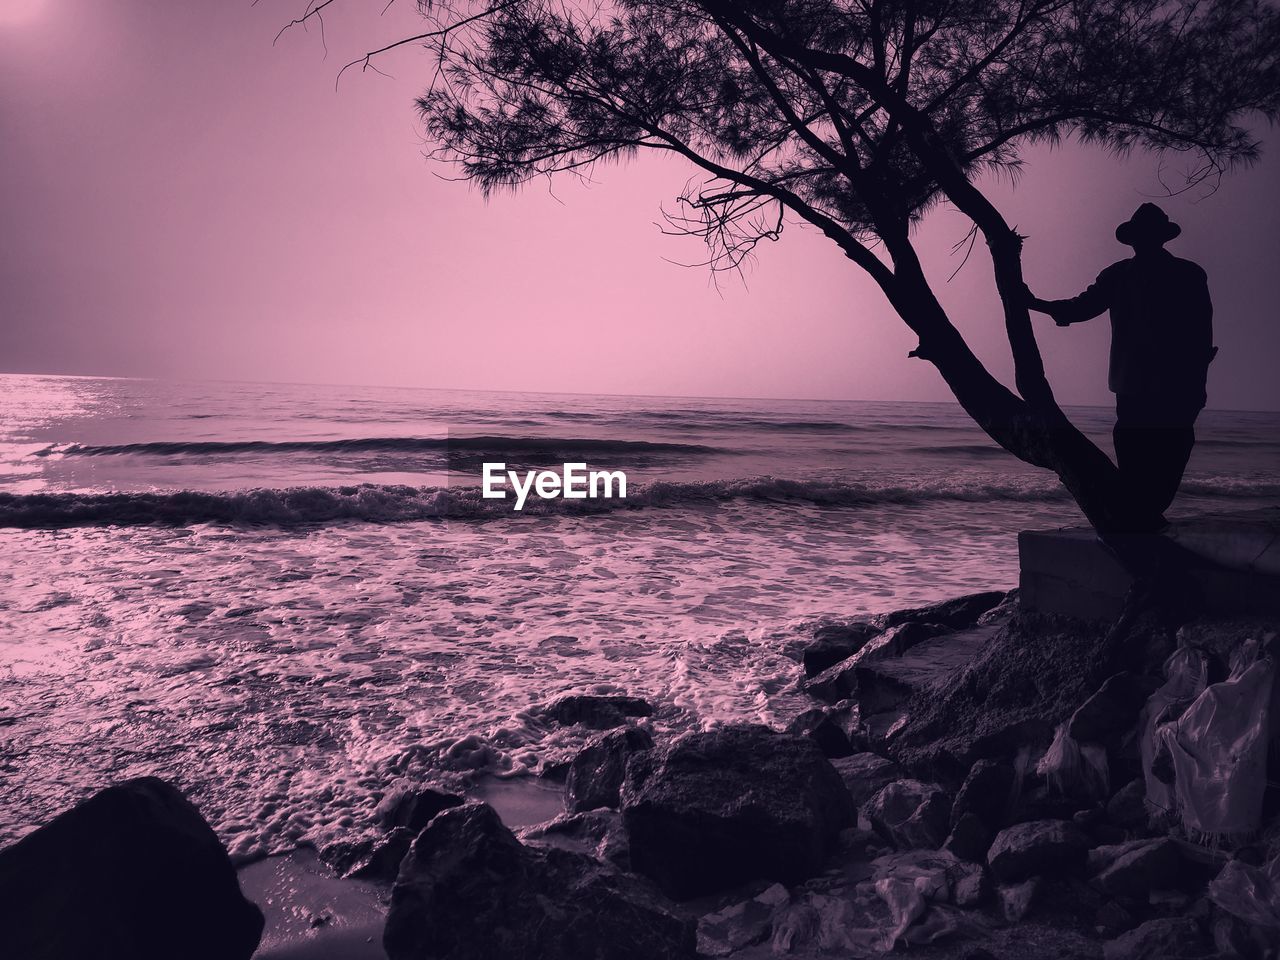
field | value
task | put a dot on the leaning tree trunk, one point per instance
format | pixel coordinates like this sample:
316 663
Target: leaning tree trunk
1036 432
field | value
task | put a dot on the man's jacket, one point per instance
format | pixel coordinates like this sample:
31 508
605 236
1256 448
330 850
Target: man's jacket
1161 324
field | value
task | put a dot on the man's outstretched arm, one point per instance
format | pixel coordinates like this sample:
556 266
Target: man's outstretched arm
1092 303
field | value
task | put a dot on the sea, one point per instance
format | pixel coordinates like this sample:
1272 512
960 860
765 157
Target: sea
286 597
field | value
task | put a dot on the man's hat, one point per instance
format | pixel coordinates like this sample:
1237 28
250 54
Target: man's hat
1148 222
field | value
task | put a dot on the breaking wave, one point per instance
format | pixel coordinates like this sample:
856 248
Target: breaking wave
393 503
390 503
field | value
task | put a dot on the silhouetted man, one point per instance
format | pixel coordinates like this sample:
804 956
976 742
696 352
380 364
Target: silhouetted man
1161 347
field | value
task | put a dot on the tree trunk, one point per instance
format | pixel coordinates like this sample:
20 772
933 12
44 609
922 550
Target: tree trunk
1039 434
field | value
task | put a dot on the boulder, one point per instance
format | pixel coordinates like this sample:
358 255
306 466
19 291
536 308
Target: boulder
1128 807
1039 847
910 814
710 810
1170 902
841 681
1002 612
834 684
1112 710
1167 938
1112 918
986 794
741 924
956 614
866 774
469 890
132 873
834 642
1039 800
1017 899
369 858
1010 739
1132 870
833 729
383 860
896 641
969 839
970 885
884 684
878 690
596 772
598 833
412 806
599 712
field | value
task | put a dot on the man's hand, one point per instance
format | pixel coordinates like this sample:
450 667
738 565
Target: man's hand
1032 302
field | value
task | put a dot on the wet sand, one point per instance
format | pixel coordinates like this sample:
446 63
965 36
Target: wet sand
313 915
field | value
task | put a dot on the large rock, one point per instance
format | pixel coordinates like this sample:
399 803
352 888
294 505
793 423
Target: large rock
369 858
909 814
597 711
884 683
834 684
840 682
866 774
1133 870
1128 807
986 794
469 890
742 924
133 873
412 806
955 614
836 730
598 833
595 775
1017 899
1112 710
970 884
835 642
970 839
1167 938
711 810
897 640
1039 847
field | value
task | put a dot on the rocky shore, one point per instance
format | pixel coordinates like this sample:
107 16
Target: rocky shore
968 783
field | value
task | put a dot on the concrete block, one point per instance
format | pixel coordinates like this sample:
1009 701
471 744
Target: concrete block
1069 572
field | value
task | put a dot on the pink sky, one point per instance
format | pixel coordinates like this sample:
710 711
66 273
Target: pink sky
181 199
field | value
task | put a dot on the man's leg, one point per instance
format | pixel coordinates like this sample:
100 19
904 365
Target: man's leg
1137 447
1153 439
1177 438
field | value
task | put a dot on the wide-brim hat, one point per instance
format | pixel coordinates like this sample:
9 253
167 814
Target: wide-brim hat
1148 222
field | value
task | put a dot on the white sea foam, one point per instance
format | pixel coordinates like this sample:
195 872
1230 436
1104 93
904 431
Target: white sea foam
284 616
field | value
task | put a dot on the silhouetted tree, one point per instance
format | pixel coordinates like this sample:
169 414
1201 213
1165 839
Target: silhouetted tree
854 116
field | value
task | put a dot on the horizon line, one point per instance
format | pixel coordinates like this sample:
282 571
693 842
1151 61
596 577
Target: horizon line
556 393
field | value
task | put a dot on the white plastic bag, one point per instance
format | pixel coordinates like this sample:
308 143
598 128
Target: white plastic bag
1250 893
1075 769
1186 673
1219 750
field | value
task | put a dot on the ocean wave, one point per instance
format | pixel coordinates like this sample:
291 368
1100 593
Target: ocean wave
389 503
697 420
966 449
396 503
491 444
1242 488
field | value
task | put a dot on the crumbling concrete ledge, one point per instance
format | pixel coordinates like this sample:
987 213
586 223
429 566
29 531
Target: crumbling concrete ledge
1068 572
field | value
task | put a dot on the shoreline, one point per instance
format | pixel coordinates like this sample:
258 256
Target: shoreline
897 717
